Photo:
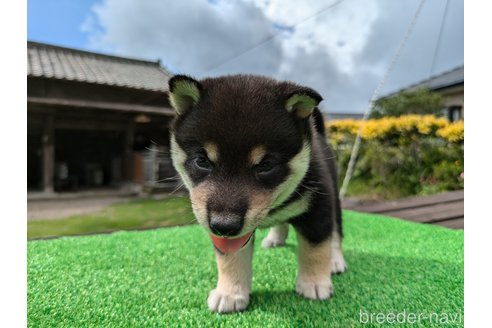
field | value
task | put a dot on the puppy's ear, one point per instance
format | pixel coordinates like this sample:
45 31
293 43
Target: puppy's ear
303 102
184 92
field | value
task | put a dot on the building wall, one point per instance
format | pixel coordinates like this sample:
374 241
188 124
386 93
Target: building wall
71 147
454 101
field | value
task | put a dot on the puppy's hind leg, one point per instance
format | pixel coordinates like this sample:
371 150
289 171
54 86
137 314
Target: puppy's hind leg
276 236
338 264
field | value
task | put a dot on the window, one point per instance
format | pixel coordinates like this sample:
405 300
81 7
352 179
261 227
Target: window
454 113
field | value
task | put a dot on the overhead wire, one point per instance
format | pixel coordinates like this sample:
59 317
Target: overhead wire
439 38
269 38
355 149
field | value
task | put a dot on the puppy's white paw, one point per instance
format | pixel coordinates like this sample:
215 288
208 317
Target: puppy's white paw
321 290
222 302
338 264
271 242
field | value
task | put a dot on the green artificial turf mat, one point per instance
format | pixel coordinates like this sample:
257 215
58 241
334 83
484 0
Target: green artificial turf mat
161 278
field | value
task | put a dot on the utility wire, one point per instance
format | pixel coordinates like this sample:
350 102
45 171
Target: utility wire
375 96
438 43
269 38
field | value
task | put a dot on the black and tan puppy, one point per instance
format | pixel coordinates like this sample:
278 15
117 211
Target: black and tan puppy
252 153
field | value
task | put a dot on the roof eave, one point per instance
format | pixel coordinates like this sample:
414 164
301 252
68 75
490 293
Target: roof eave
121 107
126 87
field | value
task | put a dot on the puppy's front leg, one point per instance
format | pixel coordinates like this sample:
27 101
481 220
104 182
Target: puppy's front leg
314 275
234 284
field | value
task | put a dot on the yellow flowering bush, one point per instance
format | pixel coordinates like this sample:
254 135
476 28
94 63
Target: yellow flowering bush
388 127
453 132
401 156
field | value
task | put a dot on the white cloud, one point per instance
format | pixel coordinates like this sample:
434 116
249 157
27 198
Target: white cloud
320 24
342 51
191 36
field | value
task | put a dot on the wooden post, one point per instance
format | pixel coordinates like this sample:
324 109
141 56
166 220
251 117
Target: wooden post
48 142
128 152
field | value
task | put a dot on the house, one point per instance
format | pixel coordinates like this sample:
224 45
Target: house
95 121
451 85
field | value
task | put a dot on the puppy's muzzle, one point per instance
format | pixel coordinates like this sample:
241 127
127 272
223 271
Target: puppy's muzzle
226 224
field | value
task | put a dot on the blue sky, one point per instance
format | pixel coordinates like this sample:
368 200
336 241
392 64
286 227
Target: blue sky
340 48
58 21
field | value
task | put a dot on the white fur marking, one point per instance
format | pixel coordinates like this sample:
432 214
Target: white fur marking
299 165
294 209
314 274
178 157
338 264
234 284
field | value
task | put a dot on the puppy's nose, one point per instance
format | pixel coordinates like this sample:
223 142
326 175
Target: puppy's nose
226 225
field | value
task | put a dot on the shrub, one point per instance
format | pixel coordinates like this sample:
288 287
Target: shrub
421 101
401 156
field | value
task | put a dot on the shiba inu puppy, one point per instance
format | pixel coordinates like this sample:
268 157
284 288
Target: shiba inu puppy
252 153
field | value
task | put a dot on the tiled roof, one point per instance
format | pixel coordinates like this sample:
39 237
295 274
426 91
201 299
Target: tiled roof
437 82
446 79
44 60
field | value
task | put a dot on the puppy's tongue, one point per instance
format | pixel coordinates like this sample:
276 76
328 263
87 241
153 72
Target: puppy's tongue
230 245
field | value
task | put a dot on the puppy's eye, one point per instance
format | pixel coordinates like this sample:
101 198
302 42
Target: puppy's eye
203 163
264 167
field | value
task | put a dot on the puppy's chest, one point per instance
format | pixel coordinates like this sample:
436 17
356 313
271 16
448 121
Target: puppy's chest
287 211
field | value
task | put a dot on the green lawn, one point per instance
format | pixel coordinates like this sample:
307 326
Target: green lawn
161 278
137 214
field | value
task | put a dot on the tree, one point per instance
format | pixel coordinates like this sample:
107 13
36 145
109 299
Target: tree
421 101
